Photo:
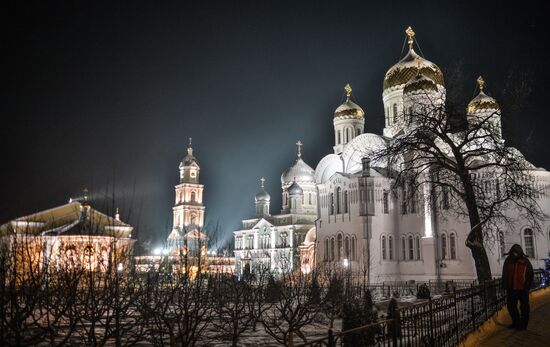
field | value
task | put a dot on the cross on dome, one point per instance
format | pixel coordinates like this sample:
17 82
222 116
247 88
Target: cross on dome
190 149
348 90
299 144
481 83
262 181
410 33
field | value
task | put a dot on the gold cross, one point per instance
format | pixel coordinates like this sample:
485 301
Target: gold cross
262 180
348 90
410 34
481 83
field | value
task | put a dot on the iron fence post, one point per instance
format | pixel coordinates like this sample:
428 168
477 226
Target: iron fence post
330 338
472 307
431 327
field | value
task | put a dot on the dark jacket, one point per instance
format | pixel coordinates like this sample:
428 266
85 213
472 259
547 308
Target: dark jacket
517 272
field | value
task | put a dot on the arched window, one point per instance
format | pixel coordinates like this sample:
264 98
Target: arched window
345 202
383 247
403 248
529 242
309 198
443 246
501 243
395 113
417 247
353 248
339 137
332 248
358 132
390 247
348 138
411 248
326 249
340 241
331 207
193 196
452 240
385 202
346 248
338 192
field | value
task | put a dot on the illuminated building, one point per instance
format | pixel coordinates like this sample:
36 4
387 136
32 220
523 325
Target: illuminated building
69 237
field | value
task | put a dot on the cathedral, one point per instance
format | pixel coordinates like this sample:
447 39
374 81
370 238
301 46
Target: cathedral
344 214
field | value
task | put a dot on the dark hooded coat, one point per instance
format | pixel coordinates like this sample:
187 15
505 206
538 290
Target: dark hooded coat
517 272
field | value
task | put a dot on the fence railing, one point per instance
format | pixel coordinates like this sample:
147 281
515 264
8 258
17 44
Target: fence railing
444 321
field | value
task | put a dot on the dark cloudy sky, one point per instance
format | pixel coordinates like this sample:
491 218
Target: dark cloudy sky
104 95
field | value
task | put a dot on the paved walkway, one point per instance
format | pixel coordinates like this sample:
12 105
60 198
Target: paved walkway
537 333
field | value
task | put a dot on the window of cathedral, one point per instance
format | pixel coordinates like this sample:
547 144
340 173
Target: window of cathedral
403 248
443 246
394 113
452 241
529 242
339 137
340 244
417 247
502 243
346 201
446 204
383 247
385 203
332 249
347 248
411 248
353 248
193 196
309 199
331 204
390 247
326 250
338 192
358 132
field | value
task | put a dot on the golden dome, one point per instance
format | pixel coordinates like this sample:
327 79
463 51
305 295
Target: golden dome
420 82
482 102
408 67
349 109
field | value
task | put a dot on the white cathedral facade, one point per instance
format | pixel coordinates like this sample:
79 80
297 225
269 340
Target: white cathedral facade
354 222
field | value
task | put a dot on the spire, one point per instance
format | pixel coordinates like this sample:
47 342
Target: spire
117 214
410 33
299 144
190 149
348 90
481 83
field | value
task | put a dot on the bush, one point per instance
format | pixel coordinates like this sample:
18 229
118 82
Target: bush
423 292
393 313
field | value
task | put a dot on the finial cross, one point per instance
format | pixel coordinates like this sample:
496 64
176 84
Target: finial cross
348 90
299 144
481 83
410 33
262 181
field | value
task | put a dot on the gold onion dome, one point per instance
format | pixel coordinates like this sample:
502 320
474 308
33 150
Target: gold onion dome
349 109
419 82
482 102
412 64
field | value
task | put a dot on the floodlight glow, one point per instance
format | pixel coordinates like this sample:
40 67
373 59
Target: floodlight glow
346 262
157 251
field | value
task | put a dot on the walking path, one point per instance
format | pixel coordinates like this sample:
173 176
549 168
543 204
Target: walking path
495 333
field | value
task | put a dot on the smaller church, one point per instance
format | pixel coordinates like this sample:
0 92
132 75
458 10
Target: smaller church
70 237
270 242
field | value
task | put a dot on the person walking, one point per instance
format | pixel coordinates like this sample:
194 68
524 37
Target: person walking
517 277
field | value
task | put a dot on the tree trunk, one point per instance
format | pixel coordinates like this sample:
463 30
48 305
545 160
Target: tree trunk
474 241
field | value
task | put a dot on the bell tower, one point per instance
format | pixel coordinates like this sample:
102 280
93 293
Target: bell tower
189 209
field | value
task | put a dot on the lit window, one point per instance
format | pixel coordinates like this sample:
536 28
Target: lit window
452 240
529 243
443 246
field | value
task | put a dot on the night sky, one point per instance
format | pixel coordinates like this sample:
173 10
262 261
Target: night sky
105 95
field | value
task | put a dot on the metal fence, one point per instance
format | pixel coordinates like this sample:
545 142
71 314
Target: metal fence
444 321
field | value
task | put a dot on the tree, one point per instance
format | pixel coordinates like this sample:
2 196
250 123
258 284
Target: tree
459 163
